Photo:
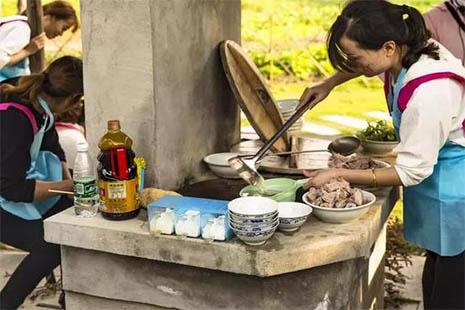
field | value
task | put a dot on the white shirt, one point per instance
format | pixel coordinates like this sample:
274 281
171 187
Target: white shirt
69 139
433 116
14 36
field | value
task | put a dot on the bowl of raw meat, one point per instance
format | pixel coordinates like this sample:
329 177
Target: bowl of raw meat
338 202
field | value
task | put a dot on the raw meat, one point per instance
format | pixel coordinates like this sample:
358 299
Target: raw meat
337 193
352 162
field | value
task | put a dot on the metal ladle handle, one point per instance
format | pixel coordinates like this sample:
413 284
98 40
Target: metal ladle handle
283 129
300 152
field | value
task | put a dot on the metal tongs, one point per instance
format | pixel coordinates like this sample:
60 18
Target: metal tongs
246 167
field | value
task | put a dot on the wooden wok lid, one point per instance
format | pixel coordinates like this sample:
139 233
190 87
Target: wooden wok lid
252 94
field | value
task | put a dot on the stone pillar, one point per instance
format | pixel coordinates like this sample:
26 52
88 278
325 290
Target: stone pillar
155 66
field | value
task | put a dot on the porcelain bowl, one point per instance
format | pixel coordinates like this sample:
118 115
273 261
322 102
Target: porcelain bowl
218 164
255 238
253 207
260 227
239 220
292 215
334 215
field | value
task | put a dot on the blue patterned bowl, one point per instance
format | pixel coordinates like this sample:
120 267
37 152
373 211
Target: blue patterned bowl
292 215
236 219
254 238
254 227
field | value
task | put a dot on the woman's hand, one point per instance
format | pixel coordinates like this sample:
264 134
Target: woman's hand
36 44
315 94
41 190
320 177
320 91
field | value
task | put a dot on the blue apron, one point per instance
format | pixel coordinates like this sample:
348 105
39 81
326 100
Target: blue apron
45 166
19 69
434 210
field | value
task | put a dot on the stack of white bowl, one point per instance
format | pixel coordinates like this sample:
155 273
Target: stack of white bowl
253 219
287 107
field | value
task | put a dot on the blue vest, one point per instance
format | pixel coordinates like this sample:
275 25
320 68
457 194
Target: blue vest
19 69
45 166
434 210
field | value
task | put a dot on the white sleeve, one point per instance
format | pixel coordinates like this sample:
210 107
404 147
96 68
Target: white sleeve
14 37
425 127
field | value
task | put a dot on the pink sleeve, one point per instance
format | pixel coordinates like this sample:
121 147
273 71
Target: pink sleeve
430 17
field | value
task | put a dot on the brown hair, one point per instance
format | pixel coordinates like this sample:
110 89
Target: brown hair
61 10
62 79
74 115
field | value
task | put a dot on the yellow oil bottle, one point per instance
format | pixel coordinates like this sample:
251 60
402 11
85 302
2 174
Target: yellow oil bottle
117 175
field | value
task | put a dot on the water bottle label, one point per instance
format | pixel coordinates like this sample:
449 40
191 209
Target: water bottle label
85 188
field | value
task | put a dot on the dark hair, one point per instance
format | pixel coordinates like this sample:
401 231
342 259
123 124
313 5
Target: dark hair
61 79
61 10
371 23
75 115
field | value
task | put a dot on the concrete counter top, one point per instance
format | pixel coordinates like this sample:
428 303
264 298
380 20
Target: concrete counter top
315 244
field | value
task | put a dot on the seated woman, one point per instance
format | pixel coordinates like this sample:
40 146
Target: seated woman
31 163
16 44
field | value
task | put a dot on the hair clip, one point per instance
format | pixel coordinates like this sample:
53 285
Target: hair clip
405 11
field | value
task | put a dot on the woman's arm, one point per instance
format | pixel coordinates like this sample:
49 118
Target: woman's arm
35 45
17 36
320 91
41 190
375 177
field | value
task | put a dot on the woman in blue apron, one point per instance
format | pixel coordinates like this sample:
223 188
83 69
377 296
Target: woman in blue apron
425 90
16 44
31 163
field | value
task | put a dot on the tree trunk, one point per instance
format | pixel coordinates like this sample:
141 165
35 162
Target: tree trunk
34 15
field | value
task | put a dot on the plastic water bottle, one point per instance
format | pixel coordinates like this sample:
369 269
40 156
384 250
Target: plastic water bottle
86 198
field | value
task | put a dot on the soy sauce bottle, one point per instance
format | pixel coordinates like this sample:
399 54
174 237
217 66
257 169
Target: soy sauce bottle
117 175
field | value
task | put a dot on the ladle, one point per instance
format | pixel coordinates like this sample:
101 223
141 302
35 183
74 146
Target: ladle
345 146
247 166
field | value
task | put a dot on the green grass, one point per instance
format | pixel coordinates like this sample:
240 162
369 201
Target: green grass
9 6
352 99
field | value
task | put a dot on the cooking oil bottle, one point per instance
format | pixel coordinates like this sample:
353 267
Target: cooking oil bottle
117 174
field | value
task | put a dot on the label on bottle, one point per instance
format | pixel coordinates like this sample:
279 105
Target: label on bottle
118 196
84 187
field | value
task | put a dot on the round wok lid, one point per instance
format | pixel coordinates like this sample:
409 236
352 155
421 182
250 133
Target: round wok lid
252 94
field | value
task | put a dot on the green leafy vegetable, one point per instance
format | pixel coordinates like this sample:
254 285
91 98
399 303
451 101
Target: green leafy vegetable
378 131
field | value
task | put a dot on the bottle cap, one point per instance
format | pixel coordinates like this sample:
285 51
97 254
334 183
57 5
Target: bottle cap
114 125
82 147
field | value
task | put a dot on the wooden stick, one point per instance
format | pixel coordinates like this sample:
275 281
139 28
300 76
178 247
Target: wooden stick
34 18
60 192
